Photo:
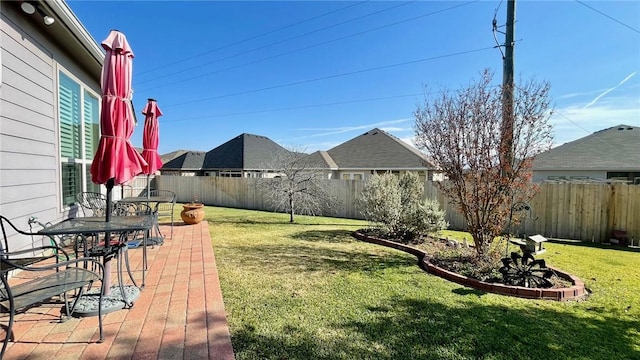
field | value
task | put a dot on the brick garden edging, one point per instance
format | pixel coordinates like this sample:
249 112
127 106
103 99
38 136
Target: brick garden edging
576 291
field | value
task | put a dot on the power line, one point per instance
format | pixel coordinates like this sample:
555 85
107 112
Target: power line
315 45
556 112
610 145
275 43
297 107
329 77
315 105
253 37
608 17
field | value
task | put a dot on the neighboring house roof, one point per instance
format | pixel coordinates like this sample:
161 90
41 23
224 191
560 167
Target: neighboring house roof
189 160
321 160
246 152
172 155
377 149
615 148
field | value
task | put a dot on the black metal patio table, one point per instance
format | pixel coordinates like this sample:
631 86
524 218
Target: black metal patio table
117 230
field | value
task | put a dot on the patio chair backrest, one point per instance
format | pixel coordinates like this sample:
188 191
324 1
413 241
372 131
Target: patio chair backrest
20 240
126 191
130 209
92 203
163 209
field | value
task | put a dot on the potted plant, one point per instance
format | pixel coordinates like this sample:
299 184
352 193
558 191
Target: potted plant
193 212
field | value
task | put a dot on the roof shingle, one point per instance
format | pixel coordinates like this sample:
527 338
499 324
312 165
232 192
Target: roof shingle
245 151
190 160
377 149
615 148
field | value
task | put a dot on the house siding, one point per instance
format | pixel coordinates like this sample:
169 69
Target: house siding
28 139
29 135
542 175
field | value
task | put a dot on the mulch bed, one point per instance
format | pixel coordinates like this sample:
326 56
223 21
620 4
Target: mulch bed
457 259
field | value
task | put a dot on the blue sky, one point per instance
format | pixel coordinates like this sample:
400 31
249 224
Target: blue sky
313 74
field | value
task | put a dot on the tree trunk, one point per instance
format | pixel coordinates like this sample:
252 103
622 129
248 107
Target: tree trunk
291 209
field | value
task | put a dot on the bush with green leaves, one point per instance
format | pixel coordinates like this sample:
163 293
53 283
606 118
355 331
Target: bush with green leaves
396 205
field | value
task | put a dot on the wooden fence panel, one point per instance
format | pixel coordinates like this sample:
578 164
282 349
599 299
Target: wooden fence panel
634 215
585 212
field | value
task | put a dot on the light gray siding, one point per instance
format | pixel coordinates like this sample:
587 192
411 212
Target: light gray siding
542 175
28 138
29 126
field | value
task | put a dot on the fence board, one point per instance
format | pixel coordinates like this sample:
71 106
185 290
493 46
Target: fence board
634 216
575 217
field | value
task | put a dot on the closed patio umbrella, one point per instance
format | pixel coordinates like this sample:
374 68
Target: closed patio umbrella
116 160
150 139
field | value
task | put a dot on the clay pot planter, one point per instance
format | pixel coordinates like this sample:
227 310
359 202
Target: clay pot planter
192 213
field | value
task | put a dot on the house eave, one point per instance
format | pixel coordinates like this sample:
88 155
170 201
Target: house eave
75 30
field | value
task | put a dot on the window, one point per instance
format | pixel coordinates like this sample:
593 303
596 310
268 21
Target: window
79 134
631 177
352 176
230 173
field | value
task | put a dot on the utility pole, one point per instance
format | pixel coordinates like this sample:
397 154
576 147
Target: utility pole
507 92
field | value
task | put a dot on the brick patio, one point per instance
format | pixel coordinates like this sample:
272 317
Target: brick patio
179 314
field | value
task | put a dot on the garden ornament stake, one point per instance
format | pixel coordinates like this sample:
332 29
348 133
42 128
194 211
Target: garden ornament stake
524 270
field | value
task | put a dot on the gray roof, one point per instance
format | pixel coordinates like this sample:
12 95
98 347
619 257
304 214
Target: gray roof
189 160
244 152
615 148
321 160
377 149
172 155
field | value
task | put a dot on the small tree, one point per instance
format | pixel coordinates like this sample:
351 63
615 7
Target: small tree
461 132
396 205
300 187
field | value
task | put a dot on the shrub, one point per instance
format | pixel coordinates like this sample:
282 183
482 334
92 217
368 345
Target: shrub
395 205
424 218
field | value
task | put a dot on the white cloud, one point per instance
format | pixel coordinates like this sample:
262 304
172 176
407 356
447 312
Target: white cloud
390 126
580 94
310 147
409 140
573 121
610 90
345 129
392 129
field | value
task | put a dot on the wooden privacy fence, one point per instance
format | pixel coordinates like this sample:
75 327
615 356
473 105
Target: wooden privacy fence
244 193
578 211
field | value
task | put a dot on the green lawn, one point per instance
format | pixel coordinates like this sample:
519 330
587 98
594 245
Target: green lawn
311 291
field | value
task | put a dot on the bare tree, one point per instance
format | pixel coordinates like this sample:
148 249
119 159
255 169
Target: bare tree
299 186
461 131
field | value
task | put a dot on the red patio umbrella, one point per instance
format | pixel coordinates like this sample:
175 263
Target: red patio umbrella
116 160
150 138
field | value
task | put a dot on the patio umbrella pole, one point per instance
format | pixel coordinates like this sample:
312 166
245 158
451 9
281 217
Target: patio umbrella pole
107 241
110 183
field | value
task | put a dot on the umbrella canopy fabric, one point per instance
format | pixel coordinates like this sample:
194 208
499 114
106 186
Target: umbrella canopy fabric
150 137
115 157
